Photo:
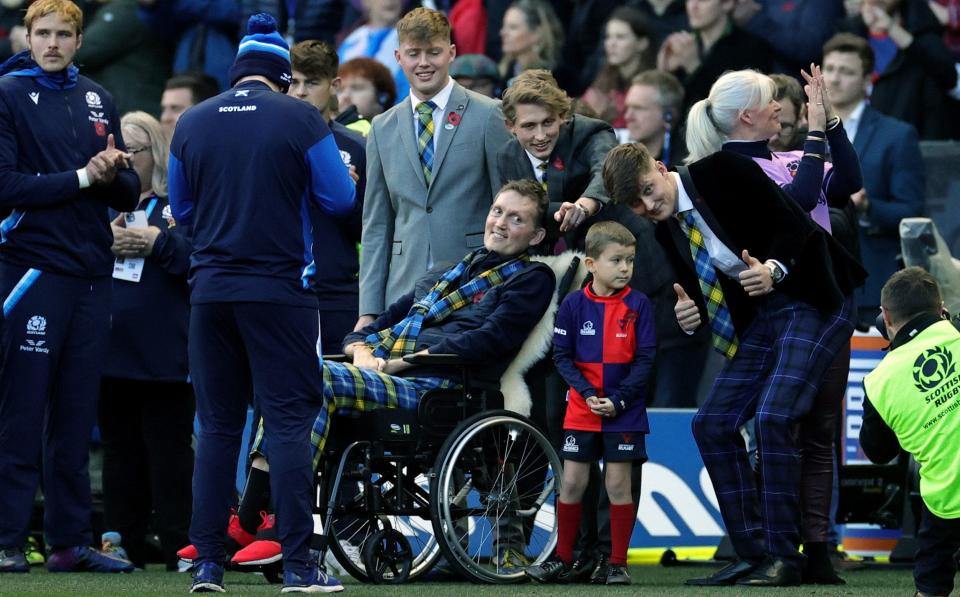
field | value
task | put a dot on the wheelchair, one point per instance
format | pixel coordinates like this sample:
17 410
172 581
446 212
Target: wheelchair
460 478
399 489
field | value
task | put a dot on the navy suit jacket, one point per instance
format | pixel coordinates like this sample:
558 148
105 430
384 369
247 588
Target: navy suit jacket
893 176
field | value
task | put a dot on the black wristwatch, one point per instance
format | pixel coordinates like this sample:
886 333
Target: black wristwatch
776 272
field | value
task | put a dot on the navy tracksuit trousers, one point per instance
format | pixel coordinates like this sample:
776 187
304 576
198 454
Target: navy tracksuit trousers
239 350
53 340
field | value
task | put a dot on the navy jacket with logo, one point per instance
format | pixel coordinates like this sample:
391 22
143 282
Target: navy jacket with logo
244 168
336 282
148 327
46 135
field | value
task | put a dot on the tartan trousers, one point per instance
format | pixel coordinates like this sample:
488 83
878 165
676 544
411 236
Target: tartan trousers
773 377
349 391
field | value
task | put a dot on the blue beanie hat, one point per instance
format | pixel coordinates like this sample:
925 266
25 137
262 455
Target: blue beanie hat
263 52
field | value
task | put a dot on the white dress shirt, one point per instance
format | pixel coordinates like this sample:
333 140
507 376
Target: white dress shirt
535 162
440 101
720 255
852 123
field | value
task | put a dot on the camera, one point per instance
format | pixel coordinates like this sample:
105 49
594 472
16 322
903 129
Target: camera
882 328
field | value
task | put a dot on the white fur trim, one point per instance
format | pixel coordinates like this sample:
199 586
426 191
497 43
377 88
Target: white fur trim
516 394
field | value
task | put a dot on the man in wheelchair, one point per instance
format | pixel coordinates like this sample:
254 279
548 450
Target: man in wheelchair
482 309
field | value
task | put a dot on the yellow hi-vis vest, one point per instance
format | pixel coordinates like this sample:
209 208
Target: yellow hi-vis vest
916 390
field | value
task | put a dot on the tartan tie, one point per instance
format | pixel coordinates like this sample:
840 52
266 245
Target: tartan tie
542 167
425 138
724 336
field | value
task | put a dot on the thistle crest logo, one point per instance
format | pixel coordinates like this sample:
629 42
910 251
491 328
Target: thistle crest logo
93 100
36 325
932 367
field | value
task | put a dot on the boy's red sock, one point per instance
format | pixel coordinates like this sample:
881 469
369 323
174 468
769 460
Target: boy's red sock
621 527
568 517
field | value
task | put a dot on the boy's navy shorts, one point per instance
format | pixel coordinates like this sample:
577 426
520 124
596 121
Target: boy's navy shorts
609 446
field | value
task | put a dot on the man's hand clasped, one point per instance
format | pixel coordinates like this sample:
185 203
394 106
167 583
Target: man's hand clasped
102 168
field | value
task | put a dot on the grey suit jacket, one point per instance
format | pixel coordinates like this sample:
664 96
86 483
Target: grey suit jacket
405 224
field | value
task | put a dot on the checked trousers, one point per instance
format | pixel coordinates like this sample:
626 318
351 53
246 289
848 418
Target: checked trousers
774 376
349 391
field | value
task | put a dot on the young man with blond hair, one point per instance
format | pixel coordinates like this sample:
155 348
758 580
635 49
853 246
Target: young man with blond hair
62 165
431 169
562 151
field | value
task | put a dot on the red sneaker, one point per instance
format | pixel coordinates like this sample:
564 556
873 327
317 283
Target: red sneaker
188 553
235 532
258 553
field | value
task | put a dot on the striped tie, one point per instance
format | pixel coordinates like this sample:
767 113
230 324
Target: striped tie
425 138
542 167
724 336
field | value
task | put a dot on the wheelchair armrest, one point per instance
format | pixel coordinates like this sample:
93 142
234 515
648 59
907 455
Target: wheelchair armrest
449 360
337 358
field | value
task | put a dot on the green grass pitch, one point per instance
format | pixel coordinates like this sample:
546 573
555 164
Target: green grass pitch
648 581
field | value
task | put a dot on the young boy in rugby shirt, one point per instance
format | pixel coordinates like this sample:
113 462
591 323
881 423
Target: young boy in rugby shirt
603 346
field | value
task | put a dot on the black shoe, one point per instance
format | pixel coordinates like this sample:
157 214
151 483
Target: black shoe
599 576
841 562
550 571
582 569
726 576
775 572
617 575
818 569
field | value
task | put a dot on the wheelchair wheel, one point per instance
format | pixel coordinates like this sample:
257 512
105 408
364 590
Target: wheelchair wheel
387 557
353 525
496 478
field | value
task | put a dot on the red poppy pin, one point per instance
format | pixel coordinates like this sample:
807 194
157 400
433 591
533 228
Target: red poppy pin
558 163
453 118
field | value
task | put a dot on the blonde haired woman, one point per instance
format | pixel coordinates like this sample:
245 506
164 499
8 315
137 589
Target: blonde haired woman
146 403
742 115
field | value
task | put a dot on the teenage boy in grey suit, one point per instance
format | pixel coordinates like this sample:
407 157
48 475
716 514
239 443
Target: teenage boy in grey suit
431 169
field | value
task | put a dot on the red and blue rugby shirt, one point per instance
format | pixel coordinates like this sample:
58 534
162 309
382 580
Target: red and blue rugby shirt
604 346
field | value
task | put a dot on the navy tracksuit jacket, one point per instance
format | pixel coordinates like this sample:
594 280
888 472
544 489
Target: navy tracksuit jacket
336 283
55 266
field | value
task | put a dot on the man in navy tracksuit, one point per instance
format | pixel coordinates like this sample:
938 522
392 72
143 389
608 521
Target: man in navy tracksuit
336 284
62 165
244 168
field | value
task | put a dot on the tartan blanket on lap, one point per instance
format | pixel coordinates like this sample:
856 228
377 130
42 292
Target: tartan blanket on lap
438 304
